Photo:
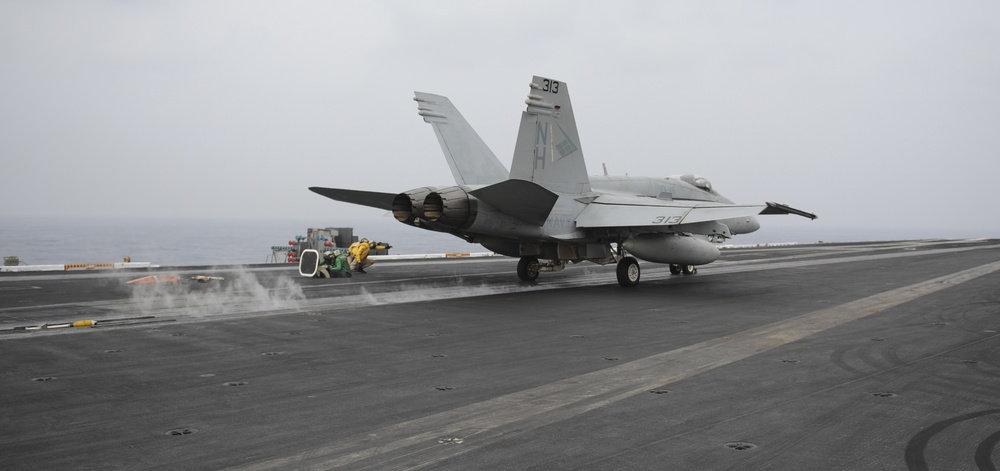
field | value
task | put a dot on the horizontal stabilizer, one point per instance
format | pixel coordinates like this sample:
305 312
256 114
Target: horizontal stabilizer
521 199
620 211
364 198
777 208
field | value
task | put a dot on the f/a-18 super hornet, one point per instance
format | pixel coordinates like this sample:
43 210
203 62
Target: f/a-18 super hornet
547 211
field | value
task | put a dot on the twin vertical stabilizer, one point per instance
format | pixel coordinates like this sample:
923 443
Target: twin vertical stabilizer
548 159
548 150
470 159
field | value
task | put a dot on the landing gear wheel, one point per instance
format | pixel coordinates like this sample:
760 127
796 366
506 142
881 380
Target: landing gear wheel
628 272
527 269
689 269
675 269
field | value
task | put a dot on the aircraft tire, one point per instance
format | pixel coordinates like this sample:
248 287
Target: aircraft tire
675 269
527 269
690 269
628 272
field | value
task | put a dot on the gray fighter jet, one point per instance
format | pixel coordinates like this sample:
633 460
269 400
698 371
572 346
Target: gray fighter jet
548 212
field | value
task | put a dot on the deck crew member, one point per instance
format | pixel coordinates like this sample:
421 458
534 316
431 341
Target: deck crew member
334 265
358 255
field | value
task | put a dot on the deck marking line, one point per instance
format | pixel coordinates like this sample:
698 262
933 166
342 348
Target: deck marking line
482 423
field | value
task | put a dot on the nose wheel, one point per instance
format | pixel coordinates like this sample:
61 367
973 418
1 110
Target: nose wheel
628 272
677 269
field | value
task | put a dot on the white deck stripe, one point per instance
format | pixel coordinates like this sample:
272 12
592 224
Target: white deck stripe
484 422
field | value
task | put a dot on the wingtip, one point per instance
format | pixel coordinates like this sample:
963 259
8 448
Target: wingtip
778 208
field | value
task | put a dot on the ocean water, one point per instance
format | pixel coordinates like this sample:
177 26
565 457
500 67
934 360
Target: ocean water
38 241
169 242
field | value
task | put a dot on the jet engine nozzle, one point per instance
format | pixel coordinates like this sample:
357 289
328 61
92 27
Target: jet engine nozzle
408 206
671 248
451 207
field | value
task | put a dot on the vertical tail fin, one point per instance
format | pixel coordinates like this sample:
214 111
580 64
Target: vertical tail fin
471 160
548 150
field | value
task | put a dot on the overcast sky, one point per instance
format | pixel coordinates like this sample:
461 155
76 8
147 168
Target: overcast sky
867 113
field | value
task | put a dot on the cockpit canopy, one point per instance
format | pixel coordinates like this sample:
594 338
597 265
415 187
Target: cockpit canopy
700 182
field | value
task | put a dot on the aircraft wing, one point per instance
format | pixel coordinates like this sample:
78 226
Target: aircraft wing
364 198
626 211
778 208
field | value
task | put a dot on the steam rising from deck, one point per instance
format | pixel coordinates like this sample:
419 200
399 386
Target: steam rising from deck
240 291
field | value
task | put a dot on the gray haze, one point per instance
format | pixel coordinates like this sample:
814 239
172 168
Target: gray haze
870 114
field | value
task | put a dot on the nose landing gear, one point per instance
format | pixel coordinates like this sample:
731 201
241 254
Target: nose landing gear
677 269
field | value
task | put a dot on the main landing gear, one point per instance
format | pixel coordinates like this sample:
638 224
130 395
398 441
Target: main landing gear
628 272
527 269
